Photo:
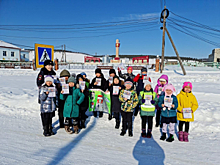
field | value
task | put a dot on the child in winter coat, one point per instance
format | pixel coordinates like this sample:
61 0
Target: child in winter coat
161 82
85 79
71 106
99 82
168 102
127 75
48 106
140 79
115 90
147 99
63 74
109 82
85 104
129 100
186 102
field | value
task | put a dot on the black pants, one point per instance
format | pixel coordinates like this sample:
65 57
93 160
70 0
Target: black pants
126 120
46 119
136 110
60 113
181 123
158 116
147 120
82 114
116 115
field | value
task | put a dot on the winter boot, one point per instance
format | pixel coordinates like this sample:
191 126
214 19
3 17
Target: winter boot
46 132
163 137
123 133
130 134
185 136
109 117
170 138
68 130
83 124
149 133
100 114
143 134
76 129
117 124
95 113
51 130
180 133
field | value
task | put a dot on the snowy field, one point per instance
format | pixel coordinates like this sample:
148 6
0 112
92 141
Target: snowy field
22 141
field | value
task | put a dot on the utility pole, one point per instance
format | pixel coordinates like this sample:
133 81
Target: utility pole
177 54
63 58
164 15
163 40
65 52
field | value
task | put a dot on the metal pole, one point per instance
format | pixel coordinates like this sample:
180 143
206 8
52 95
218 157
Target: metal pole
177 54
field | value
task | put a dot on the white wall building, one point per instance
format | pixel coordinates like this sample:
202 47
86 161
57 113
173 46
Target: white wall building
9 52
215 56
70 56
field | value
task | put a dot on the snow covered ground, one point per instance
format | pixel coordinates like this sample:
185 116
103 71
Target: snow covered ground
22 142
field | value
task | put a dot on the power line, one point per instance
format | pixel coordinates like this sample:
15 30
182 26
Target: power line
80 37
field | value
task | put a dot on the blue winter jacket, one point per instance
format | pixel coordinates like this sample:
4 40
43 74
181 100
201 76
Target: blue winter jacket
172 111
48 104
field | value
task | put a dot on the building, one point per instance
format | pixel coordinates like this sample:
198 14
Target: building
215 56
24 55
9 52
70 56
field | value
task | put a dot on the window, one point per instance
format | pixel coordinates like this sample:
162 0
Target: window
4 53
12 54
23 55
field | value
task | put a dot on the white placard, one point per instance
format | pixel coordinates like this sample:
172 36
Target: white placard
187 113
52 92
110 80
127 94
121 67
145 79
115 90
99 81
65 88
168 102
62 80
148 99
82 85
160 89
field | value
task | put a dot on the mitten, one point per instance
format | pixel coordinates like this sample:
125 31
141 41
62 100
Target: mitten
119 69
164 108
143 100
152 102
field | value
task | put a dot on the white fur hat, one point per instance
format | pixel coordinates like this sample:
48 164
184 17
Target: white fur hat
48 78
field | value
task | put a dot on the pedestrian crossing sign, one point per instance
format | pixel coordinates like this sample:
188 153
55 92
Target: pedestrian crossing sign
42 53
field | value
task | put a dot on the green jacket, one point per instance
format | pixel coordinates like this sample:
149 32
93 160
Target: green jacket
72 102
147 110
128 105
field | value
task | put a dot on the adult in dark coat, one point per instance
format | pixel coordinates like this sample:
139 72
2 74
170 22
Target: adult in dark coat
94 85
84 105
46 70
115 103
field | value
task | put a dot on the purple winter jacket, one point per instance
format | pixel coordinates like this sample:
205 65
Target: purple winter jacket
158 83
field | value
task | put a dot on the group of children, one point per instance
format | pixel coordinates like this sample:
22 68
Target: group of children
135 93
